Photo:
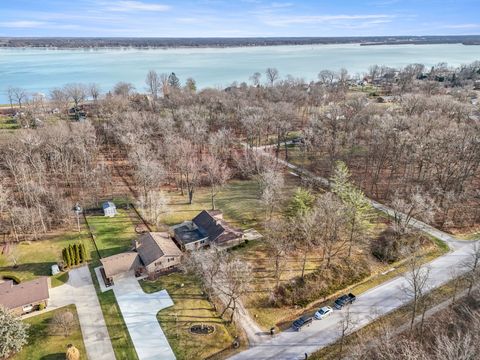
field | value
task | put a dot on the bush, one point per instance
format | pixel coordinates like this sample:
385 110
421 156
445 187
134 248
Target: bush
320 284
12 277
76 248
390 247
41 306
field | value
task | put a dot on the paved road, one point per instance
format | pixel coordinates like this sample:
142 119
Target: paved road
79 290
139 311
369 306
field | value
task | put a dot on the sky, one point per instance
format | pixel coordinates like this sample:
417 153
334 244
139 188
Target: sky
238 18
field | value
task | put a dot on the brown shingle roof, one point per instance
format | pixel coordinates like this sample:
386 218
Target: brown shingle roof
29 292
152 246
120 263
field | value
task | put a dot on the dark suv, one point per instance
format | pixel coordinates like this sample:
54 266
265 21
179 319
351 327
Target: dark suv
302 322
344 300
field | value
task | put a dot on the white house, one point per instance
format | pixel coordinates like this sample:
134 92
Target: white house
109 209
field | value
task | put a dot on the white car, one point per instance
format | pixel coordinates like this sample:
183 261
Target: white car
323 312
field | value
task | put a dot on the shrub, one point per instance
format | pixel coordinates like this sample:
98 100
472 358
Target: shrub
76 248
41 306
390 247
84 252
66 257
12 277
320 284
62 323
72 254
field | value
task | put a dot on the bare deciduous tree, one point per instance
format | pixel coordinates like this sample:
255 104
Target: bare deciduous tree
217 174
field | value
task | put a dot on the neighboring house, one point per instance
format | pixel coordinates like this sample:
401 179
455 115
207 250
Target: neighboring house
153 252
207 228
109 209
25 297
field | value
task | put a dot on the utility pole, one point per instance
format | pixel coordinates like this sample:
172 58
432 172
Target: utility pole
78 210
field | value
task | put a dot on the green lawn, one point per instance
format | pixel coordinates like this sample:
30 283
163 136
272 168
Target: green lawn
190 307
113 235
35 258
239 201
45 346
7 123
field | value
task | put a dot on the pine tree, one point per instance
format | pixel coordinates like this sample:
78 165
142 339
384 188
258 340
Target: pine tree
173 81
301 203
358 205
72 254
84 253
67 257
77 254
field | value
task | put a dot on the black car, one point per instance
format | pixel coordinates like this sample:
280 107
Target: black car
302 322
344 300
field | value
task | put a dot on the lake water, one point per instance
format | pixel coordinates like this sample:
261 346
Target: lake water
39 70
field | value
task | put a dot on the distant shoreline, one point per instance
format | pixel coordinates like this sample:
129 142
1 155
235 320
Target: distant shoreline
169 43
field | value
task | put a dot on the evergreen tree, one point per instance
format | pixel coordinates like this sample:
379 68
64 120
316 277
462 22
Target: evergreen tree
67 257
173 81
72 254
359 209
84 253
191 85
301 203
77 253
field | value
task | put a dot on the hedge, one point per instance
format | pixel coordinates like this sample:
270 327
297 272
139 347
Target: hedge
12 277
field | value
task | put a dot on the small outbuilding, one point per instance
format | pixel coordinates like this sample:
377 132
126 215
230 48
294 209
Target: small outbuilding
109 209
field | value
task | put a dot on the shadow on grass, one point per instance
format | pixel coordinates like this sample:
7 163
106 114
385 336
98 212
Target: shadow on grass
57 356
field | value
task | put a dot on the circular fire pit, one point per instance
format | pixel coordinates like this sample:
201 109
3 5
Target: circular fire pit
202 329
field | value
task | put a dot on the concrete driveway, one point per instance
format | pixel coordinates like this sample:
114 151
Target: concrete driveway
139 311
79 290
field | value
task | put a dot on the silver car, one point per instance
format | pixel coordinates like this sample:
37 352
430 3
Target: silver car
323 312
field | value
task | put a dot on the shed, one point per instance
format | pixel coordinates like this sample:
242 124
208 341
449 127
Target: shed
109 209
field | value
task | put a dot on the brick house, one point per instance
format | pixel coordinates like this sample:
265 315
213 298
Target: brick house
151 253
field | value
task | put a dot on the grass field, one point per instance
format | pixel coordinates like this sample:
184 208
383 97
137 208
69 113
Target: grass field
239 201
35 258
45 346
7 123
190 307
113 234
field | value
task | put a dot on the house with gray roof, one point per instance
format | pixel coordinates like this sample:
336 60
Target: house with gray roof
25 297
205 229
152 252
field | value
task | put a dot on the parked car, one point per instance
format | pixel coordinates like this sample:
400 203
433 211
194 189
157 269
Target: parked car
345 300
302 322
323 312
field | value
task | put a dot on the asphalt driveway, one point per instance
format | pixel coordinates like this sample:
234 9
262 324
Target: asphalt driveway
139 311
